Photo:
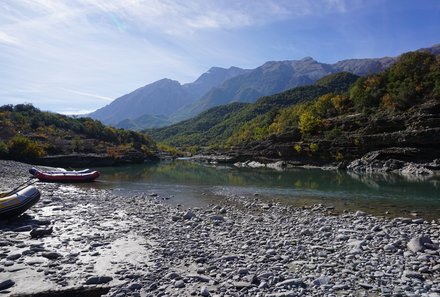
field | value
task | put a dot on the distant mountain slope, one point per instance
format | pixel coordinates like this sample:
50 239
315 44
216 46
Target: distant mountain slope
162 97
218 123
275 77
215 76
143 121
363 67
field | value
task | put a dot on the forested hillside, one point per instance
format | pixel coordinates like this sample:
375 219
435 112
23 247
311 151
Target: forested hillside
386 119
28 133
414 79
341 117
215 126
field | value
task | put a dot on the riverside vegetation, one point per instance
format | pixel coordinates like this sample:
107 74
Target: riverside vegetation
30 134
340 118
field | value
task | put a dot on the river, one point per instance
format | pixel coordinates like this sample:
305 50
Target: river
193 184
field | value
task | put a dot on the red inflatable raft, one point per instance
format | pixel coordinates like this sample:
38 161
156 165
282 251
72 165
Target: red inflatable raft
86 175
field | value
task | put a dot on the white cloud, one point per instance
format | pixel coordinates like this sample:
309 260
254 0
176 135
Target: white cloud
76 111
87 94
8 39
56 49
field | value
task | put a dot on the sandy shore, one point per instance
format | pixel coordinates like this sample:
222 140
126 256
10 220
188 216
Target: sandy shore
138 246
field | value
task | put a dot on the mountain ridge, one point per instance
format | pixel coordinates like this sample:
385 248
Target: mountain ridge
161 97
220 86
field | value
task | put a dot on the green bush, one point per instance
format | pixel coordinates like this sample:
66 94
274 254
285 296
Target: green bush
21 147
308 123
368 91
313 147
3 150
332 134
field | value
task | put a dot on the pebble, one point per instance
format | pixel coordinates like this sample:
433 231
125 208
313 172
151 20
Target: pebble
51 255
6 284
204 292
98 280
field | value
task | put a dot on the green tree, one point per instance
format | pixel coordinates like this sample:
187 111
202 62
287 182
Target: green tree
368 91
308 123
411 79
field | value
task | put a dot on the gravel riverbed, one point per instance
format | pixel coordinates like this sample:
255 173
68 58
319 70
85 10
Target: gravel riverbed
102 244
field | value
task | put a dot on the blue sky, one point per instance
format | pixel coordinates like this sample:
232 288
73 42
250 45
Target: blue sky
75 56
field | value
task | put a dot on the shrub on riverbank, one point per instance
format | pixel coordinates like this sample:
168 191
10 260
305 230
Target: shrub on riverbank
26 133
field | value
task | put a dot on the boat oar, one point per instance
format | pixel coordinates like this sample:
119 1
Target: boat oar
15 189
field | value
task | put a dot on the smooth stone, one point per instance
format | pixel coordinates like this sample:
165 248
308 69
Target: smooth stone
199 277
241 285
204 292
390 248
172 275
412 274
265 275
13 257
375 228
271 252
322 280
6 284
40 232
424 269
290 282
340 287
306 232
51 255
283 294
417 243
97 280
179 284
366 286
134 287
8 263
342 237
189 215
360 213
229 258
356 244
23 228
217 218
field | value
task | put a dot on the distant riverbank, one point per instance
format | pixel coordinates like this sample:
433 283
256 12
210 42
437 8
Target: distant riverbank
102 242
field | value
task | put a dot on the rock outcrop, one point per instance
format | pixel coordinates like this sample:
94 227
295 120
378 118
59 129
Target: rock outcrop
407 142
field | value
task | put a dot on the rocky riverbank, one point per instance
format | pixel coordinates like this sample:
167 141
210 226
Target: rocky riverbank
138 246
402 142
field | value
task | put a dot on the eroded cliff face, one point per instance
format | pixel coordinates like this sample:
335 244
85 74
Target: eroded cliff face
412 136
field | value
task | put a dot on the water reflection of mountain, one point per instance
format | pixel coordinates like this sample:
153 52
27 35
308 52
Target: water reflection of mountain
195 183
321 182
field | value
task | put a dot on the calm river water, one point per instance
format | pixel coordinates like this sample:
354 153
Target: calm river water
192 184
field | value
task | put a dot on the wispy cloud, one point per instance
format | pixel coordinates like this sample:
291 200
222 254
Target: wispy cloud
76 111
8 39
87 94
58 49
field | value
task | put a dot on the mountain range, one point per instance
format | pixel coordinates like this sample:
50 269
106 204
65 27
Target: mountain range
167 101
151 105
